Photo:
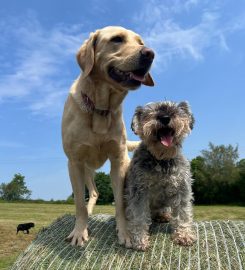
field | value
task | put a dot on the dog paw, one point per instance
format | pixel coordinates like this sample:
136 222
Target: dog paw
183 238
124 239
78 236
142 245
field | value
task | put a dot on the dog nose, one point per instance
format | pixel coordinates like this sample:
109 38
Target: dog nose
147 54
165 120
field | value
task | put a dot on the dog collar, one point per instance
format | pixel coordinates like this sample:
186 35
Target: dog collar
89 107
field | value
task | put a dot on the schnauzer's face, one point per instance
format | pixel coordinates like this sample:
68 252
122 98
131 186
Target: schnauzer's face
163 124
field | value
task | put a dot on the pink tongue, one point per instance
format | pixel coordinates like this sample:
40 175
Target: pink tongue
167 140
136 77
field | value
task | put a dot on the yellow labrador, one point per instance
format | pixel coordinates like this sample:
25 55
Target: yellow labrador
114 60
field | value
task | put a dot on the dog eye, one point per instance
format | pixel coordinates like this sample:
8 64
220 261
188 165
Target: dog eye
117 39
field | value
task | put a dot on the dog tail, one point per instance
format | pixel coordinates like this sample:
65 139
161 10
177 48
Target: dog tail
132 145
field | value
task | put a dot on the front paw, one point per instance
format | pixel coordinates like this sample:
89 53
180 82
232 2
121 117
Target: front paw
141 244
78 236
183 238
124 238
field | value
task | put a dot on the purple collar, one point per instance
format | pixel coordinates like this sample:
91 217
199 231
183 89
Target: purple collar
88 106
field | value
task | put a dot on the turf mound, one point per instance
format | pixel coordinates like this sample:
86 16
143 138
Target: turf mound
220 245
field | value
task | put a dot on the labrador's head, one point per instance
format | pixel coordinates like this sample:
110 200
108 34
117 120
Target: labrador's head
118 56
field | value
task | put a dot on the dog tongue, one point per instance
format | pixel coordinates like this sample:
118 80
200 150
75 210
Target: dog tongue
137 77
167 140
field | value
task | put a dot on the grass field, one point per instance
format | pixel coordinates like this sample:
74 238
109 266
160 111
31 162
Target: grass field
11 214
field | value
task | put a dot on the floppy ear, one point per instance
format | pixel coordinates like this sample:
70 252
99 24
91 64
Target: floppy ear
184 105
136 120
85 55
192 122
186 108
148 80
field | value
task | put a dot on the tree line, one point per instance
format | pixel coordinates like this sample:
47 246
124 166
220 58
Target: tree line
219 178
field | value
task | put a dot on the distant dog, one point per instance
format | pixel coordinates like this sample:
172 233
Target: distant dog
25 227
159 178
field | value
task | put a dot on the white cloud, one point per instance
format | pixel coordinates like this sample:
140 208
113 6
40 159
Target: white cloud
35 62
11 144
171 36
37 68
50 104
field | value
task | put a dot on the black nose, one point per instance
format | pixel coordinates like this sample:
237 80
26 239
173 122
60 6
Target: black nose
146 54
164 120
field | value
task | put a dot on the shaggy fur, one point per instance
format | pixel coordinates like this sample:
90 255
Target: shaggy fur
158 182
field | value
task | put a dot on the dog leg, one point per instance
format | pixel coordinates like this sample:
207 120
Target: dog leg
162 215
118 170
138 217
181 223
93 192
79 235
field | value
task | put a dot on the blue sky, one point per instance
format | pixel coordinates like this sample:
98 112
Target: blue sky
200 58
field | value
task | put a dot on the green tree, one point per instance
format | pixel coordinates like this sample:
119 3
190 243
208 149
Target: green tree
216 174
70 199
241 168
15 190
103 183
240 184
200 176
220 162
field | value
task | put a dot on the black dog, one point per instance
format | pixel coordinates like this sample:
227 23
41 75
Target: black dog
25 227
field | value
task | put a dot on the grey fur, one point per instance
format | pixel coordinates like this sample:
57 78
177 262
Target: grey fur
156 181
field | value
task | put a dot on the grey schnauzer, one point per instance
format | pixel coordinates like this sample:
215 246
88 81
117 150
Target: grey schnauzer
158 181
